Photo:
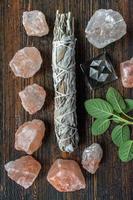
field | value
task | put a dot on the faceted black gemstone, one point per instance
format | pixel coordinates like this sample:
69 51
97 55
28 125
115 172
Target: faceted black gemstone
99 71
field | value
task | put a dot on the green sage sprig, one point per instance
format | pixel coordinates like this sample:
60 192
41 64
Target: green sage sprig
115 109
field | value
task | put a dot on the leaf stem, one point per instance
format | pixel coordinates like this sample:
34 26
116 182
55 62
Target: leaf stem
123 120
127 116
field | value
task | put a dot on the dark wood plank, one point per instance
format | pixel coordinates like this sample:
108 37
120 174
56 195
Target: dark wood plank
1 105
114 180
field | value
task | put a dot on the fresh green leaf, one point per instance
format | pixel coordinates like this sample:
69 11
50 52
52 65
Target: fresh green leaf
99 126
115 119
114 109
116 100
126 151
120 134
129 105
98 108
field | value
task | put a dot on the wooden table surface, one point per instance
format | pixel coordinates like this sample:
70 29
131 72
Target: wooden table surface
113 180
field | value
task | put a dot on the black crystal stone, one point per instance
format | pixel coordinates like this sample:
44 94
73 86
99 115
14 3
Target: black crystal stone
99 71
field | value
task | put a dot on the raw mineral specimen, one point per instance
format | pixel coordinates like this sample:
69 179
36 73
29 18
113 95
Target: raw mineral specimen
91 157
26 62
33 98
23 171
99 71
29 136
35 23
105 27
126 69
66 176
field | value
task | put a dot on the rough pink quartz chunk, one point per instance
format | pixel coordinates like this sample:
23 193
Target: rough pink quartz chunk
91 157
26 62
29 136
126 69
35 23
33 98
23 171
66 176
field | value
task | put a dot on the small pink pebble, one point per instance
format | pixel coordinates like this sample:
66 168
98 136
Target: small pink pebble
29 136
23 171
126 69
35 23
33 98
91 157
26 62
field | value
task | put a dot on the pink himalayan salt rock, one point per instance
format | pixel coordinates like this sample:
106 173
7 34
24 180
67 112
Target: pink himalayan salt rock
26 62
126 69
29 136
23 171
66 176
91 157
35 23
33 98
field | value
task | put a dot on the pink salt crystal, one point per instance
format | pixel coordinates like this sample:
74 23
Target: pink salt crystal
33 98
126 69
29 136
23 171
35 23
66 176
26 62
91 157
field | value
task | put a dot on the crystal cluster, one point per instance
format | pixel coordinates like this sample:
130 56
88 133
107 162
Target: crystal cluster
126 69
26 62
23 171
35 23
91 157
33 98
105 27
66 176
29 136
99 71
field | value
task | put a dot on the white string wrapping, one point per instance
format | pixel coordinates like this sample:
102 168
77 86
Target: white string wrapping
63 65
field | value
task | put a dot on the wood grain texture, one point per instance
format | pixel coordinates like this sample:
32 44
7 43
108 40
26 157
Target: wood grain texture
114 180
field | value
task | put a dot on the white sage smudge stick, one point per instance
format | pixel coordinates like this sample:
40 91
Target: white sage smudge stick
63 64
